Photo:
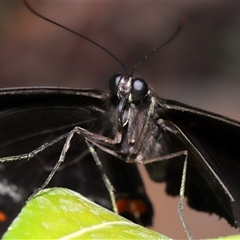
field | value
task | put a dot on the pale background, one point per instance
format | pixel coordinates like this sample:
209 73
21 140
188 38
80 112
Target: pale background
201 67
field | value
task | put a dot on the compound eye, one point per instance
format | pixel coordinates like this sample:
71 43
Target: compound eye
139 89
113 83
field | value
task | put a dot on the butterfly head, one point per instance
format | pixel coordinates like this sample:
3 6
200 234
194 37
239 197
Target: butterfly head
129 91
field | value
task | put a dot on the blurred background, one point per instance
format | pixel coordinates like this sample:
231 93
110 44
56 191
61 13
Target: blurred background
201 67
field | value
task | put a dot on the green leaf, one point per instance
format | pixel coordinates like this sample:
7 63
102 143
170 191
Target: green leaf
62 213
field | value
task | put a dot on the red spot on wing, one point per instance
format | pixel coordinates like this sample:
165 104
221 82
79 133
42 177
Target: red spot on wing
134 206
3 217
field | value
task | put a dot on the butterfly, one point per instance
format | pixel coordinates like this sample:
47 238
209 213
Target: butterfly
131 123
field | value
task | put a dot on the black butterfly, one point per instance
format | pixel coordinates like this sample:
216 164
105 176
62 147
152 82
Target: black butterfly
130 123
144 127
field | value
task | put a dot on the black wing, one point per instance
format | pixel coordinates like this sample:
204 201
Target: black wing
32 117
210 140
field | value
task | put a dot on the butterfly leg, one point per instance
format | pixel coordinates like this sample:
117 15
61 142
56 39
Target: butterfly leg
34 152
106 180
183 183
181 194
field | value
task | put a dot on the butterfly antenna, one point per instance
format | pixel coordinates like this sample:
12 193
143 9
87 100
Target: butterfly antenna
180 25
76 33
